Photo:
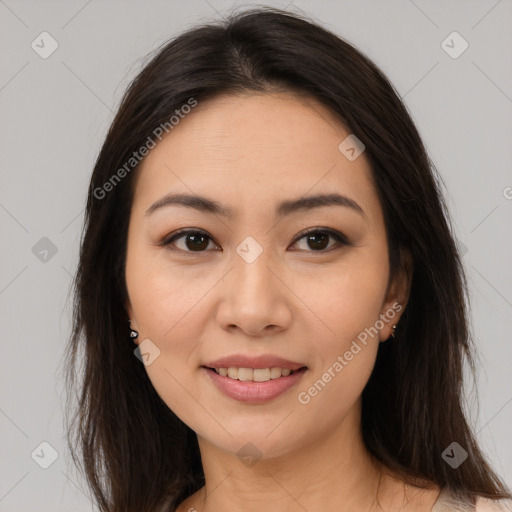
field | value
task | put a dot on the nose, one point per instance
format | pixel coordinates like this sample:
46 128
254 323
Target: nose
254 298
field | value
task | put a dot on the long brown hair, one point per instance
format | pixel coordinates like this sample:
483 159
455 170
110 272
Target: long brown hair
135 452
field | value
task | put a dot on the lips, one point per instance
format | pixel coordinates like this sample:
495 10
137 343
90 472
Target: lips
263 361
258 388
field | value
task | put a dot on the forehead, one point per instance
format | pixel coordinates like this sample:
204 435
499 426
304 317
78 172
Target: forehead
255 148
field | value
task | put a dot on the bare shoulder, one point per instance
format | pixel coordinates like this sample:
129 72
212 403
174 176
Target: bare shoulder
487 505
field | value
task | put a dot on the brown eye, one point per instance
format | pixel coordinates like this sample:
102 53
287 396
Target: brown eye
196 241
317 240
193 240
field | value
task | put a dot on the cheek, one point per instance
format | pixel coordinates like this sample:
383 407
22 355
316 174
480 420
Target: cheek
168 308
172 318
173 321
346 351
165 297
346 300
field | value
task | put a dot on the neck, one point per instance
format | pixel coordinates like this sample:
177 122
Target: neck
334 473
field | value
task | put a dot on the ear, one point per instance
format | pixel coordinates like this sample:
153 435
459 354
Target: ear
397 294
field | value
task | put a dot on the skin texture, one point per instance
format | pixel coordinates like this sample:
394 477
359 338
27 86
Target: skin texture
249 152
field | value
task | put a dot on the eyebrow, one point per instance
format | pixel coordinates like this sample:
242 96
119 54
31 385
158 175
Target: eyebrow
283 209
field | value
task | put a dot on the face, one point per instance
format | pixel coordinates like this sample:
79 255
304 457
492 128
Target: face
261 281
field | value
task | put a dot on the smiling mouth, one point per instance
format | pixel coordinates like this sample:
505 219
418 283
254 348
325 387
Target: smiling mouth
255 374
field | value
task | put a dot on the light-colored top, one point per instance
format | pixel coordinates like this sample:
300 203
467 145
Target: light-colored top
447 503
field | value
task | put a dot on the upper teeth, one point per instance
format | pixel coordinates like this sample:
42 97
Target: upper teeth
256 374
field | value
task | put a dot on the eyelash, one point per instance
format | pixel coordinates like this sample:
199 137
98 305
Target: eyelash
337 236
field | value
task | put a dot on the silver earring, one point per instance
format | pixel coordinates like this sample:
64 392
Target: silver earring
133 333
393 331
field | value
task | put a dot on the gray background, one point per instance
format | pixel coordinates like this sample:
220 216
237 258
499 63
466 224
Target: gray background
56 111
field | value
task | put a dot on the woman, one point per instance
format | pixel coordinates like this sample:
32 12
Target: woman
264 223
